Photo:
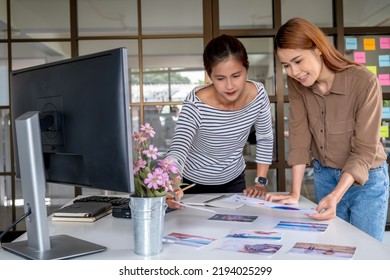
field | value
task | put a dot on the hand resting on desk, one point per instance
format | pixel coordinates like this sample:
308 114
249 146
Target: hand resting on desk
255 191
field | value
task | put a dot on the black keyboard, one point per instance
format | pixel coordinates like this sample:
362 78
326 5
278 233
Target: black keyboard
114 200
120 205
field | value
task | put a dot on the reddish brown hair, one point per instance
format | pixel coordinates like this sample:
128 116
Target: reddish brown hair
298 33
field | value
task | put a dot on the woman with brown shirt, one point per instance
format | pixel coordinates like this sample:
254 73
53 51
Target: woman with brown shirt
335 118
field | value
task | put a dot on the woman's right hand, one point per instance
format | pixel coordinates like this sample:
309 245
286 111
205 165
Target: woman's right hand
172 199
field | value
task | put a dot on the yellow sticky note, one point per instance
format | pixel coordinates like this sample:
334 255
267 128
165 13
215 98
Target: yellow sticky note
372 69
369 44
384 133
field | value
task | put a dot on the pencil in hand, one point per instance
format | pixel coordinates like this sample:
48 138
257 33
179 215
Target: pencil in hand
188 187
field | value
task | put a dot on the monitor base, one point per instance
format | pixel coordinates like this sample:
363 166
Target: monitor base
62 247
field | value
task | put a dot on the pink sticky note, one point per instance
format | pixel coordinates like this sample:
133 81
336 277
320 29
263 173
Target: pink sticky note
384 43
359 57
384 79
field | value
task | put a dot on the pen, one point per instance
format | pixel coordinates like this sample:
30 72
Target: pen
188 187
216 198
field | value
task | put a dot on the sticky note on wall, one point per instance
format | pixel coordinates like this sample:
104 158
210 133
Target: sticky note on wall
384 79
351 44
359 57
384 43
384 132
372 69
384 60
386 112
369 44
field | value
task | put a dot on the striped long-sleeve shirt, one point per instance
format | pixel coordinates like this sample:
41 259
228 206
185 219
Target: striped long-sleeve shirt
208 142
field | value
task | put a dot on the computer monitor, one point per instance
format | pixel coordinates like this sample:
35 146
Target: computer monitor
72 126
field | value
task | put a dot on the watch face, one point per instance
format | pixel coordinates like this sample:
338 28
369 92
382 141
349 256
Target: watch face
262 180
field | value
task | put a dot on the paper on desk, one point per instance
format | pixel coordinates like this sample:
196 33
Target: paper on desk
195 207
211 200
258 202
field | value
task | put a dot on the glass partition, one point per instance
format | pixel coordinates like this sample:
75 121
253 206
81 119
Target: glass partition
5 146
245 14
366 13
3 19
171 68
172 16
31 54
261 61
107 18
319 12
40 19
4 88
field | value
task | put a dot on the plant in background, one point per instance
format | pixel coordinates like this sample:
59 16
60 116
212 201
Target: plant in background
152 180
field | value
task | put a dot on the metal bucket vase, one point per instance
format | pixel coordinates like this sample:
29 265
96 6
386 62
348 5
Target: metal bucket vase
148 221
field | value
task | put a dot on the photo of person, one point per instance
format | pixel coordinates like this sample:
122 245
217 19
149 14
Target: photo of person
323 249
254 234
233 218
252 248
302 226
187 239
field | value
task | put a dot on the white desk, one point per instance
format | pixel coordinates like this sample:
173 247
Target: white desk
116 235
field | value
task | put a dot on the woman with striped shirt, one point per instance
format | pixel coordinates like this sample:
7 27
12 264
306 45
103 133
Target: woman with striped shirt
215 122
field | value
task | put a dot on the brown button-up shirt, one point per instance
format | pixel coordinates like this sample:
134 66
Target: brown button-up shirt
339 128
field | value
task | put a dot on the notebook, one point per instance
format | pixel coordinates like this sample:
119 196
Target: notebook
83 209
81 219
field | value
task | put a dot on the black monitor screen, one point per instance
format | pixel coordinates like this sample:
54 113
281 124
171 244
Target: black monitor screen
83 106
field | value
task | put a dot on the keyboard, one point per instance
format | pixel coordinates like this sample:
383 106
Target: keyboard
120 205
114 200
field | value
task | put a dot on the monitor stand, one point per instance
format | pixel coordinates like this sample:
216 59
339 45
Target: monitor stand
39 245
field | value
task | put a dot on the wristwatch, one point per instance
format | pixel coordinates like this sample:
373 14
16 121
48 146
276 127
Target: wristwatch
261 180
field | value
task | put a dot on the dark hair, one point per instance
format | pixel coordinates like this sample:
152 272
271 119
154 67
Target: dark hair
298 33
221 48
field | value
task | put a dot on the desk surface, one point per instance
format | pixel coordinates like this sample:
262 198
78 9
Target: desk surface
116 235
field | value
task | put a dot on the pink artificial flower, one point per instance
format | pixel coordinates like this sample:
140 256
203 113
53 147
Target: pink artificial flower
168 186
138 164
161 179
157 178
148 129
151 152
139 137
160 175
168 165
151 182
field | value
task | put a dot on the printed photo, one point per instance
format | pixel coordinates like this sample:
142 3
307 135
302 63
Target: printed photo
302 226
323 249
252 248
258 202
233 218
187 239
254 234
